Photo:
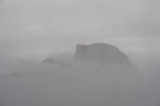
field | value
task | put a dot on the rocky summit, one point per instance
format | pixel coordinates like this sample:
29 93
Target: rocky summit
100 52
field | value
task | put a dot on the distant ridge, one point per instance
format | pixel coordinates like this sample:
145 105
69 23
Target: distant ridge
97 52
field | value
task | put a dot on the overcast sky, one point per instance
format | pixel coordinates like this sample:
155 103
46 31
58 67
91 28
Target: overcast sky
32 25
35 29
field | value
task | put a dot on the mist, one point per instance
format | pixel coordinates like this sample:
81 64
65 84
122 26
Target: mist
80 84
38 41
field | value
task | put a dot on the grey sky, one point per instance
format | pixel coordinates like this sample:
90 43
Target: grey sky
51 22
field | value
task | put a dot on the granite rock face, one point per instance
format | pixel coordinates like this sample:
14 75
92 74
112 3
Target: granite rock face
102 53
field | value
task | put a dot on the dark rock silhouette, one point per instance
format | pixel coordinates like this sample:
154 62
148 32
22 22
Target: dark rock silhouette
51 61
106 55
102 53
48 61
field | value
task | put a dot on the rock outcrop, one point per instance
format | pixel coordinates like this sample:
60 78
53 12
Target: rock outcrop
102 53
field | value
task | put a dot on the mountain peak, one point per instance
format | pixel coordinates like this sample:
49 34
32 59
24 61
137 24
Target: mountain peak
100 52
